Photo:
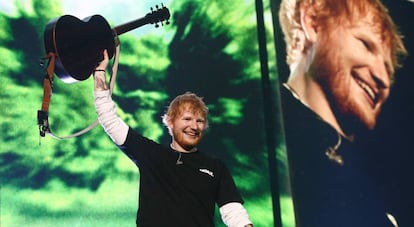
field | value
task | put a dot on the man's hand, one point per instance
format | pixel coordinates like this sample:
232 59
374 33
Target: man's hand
99 73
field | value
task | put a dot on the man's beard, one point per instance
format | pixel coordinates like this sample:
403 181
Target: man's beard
187 145
336 84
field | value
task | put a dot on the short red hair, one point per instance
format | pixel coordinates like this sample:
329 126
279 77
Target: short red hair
333 12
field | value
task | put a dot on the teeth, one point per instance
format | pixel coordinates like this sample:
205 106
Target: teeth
192 133
367 89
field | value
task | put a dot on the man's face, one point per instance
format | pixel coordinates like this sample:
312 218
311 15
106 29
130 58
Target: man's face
353 66
187 130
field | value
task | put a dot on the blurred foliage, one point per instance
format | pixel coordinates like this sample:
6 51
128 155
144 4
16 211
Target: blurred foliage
212 51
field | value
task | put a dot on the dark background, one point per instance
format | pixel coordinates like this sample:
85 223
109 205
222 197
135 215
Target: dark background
392 141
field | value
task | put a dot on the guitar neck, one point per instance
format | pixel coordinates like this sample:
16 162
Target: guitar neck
154 17
123 28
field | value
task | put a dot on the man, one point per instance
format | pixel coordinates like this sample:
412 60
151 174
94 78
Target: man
179 185
342 56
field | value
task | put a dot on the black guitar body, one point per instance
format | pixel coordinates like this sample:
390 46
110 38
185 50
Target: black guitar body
78 45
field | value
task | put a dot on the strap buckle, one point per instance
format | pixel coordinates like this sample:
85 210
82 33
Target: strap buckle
43 122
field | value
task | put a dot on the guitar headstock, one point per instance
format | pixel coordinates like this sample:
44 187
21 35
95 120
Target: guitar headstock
158 15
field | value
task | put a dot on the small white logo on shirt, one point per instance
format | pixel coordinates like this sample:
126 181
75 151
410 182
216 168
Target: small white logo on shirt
207 171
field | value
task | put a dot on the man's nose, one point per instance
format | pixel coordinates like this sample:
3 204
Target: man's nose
380 73
193 124
382 82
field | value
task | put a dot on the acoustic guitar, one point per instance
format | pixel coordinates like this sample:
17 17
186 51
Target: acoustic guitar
78 44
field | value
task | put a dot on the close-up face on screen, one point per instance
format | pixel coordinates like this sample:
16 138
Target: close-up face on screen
206 113
344 68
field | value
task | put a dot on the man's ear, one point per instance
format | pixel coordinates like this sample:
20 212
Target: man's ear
307 21
169 123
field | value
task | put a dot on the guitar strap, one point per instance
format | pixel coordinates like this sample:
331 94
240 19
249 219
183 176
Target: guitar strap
43 114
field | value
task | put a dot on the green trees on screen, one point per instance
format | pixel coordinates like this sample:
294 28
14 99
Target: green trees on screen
209 48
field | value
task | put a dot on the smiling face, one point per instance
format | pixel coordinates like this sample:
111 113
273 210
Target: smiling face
186 120
354 67
187 129
343 55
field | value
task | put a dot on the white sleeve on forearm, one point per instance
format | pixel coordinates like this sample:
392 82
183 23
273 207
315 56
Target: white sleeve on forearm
113 125
234 215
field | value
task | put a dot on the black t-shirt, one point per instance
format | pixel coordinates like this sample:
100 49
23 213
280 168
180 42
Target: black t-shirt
178 189
325 193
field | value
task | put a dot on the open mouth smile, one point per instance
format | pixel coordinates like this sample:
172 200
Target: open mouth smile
373 96
192 134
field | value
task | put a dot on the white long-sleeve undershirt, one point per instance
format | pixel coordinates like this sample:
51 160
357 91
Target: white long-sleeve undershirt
113 125
234 215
